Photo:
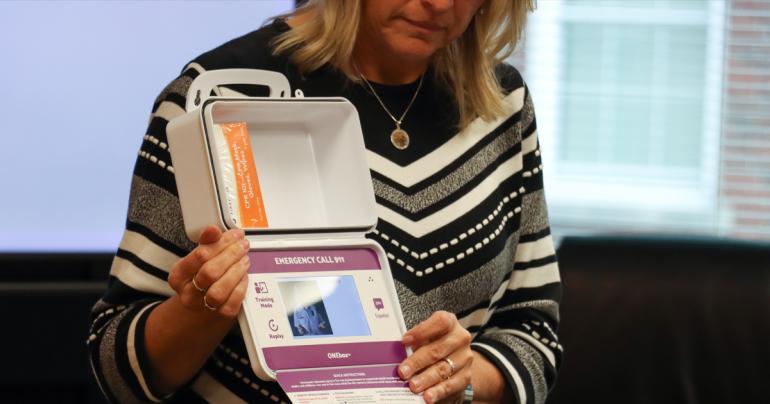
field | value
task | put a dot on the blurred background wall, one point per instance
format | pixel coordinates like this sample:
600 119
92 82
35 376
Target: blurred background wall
79 79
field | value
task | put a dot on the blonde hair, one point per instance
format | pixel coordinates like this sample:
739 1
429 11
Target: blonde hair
466 65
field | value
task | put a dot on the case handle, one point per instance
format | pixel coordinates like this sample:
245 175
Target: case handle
201 87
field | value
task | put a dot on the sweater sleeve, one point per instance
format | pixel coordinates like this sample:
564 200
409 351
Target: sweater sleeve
154 239
519 336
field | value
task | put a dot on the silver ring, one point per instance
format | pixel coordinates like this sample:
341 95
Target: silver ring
451 367
207 305
195 285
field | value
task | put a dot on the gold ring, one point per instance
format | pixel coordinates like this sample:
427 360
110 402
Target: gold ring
195 285
207 305
451 367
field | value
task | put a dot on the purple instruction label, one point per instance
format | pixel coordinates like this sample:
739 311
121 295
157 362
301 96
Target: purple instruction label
281 261
384 376
331 355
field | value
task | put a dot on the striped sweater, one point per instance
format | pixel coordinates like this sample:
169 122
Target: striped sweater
462 217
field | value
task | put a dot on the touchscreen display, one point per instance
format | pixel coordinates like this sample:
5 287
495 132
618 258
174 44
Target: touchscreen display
327 306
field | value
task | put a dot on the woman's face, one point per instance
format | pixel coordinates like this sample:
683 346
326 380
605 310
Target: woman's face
414 29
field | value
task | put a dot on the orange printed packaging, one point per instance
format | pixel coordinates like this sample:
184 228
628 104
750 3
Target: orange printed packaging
250 204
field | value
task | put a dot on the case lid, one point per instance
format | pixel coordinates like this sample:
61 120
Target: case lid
282 165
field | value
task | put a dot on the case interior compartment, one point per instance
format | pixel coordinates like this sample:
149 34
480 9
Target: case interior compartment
312 174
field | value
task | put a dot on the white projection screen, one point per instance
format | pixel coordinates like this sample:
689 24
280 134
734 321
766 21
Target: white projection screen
77 80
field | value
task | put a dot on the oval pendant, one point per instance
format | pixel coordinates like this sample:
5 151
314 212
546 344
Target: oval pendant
399 138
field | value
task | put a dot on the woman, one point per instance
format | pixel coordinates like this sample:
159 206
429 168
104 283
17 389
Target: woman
456 170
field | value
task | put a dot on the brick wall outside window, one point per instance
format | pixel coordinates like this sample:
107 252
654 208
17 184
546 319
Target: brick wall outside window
745 148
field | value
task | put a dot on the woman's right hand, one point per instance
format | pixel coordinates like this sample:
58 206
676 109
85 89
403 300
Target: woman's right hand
218 266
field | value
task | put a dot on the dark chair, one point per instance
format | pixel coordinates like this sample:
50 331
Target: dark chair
664 320
45 300
644 320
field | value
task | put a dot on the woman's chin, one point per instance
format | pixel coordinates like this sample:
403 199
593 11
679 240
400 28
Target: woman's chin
414 49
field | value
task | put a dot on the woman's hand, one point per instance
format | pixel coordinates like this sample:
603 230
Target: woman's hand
213 276
439 343
183 331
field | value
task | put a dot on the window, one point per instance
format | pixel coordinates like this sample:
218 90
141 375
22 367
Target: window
629 97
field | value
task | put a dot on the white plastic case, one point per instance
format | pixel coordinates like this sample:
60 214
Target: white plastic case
312 169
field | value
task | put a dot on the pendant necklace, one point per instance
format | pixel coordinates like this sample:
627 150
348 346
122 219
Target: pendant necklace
398 137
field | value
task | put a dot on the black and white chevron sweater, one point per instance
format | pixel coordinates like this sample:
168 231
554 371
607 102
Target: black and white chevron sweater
462 218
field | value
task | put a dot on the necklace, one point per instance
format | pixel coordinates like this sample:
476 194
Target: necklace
398 137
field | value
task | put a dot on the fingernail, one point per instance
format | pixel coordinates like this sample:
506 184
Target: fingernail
416 383
240 233
245 260
407 340
405 371
428 397
246 244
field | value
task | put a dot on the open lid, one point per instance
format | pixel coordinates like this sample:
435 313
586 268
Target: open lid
284 165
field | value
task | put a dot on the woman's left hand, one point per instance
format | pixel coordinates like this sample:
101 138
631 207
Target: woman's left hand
439 343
